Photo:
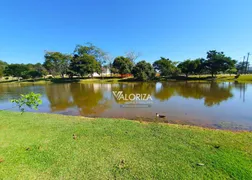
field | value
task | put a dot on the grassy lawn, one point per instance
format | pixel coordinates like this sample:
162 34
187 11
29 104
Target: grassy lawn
246 78
41 146
242 78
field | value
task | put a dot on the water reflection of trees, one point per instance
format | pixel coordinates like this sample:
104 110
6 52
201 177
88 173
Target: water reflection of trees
165 92
133 88
87 97
213 93
93 99
217 93
59 96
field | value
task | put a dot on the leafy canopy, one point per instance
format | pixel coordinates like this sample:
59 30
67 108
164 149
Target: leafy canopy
187 67
92 50
166 67
218 62
84 65
16 70
143 71
122 65
192 66
56 62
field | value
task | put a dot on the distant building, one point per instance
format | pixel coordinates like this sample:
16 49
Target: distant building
105 72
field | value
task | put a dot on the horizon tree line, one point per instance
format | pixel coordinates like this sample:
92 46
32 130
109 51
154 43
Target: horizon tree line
89 59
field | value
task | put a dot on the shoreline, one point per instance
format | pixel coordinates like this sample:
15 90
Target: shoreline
141 121
220 78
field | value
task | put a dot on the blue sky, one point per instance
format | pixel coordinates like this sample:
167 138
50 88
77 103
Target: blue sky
175 29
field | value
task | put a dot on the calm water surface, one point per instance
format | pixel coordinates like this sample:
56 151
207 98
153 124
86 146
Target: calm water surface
217 105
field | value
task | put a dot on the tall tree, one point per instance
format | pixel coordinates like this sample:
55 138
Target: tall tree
122 65
56 63
132 55
143 71
166 67
90 49
84 65
218 62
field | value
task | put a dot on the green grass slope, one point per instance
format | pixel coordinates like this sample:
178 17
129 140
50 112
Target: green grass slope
41 146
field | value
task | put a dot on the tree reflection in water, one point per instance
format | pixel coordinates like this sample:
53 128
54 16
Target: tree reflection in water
59 96
213 93
165 92
133 88
89 98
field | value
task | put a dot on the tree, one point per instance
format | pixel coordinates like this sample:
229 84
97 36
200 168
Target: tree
166 67
34 74
231 71
31 100
56 63
16 70
35 71
196 66
40 69
84 65
92 50
200 66
132 55
217 62
88 53
188 67
2 67
122 65
143 71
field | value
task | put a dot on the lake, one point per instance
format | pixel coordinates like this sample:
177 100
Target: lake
224 105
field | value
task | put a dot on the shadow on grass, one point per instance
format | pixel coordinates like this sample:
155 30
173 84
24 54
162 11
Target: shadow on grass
183 78
8 81
64 80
